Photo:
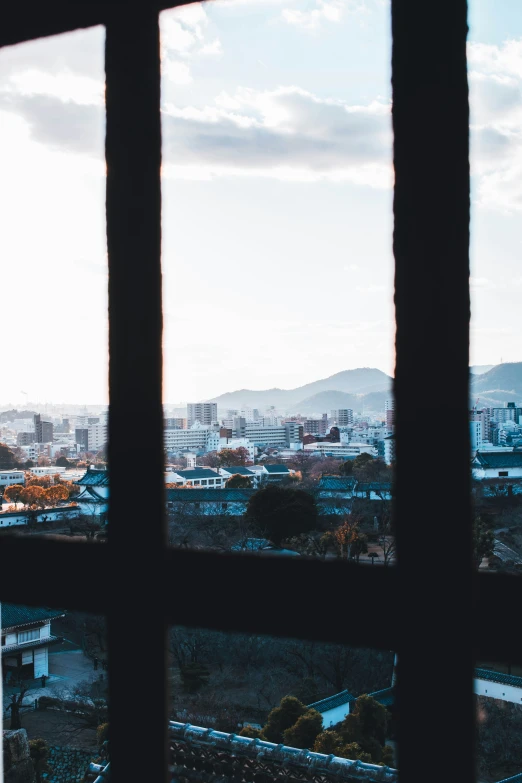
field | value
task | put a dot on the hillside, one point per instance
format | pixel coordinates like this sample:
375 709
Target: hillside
501 384
324 402
361 381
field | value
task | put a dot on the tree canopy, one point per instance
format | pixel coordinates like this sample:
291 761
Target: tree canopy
239 482
282 512
230 457
7 458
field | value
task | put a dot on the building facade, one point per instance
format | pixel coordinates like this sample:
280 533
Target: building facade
26 638
204 412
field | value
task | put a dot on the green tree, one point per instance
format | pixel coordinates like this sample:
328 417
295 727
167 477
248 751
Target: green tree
305 730
63 462
282 718
361 461
282 512
39 752
483 541
346 468
239 482
194 676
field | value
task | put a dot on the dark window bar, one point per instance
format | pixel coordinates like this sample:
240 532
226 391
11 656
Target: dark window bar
428 609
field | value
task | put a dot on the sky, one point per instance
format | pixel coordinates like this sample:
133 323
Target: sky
277 198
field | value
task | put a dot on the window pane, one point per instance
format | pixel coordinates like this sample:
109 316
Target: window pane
277 186
53 407
282 691
495 76
55 691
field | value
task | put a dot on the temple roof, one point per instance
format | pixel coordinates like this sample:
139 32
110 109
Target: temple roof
342 483
337 700
94 478
14 615
205 495
503 679
279 762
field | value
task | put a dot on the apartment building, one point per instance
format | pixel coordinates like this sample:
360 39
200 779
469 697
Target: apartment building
343 417
97 436
266 436
43 430
204 412
198 439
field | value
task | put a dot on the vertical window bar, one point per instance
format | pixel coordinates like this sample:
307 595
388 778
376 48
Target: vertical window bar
431 241
135 598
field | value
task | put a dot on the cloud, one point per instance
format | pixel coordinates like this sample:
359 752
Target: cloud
323 11
184 35
495 79
287 133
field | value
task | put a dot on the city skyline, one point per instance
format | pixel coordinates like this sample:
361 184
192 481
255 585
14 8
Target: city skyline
291 278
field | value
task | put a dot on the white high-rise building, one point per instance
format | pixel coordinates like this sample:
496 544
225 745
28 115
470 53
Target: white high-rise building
343 417
204 412
96 436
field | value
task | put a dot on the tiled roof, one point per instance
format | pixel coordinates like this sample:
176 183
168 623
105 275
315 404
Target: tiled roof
210 495
337 700
94 478
337 482
503 679
239 470
374 486
514 779
276 469
16 614
186 740
386 697
198 473
498 459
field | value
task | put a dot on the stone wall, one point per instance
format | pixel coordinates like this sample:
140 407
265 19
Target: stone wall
18 767
69 765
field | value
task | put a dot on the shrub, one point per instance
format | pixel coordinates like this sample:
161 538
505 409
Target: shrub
102 733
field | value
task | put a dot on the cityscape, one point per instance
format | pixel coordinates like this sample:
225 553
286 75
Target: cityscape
279 419
268 480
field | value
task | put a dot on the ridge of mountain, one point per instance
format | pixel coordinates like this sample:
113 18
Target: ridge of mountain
360 381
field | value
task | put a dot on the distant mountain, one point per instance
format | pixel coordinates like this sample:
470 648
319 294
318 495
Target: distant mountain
478 369
501 384
360 382
326 401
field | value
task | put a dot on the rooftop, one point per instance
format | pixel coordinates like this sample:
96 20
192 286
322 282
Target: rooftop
498 459
210 495
14 615
94 478
197 473
503 679
337 700
337 482
276 469
239 470
188 743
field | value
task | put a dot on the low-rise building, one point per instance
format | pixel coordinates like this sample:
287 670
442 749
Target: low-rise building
8 477
497 464
196 477
240 470
340 450
93 499
26 638
207 502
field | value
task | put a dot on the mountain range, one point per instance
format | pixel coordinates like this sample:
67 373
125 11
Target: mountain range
367 388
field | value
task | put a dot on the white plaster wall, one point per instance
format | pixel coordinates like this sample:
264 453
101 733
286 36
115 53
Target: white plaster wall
335 715
495 690
41 662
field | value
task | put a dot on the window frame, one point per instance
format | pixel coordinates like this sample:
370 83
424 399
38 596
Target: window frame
437 638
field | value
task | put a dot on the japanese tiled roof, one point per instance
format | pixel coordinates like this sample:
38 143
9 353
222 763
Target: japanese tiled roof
498 459
210 495
14 615
91 496
198 473
337 482
503 679
189 745
276 469
514 779
239 470
94 478
374 486
386 697
337 700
